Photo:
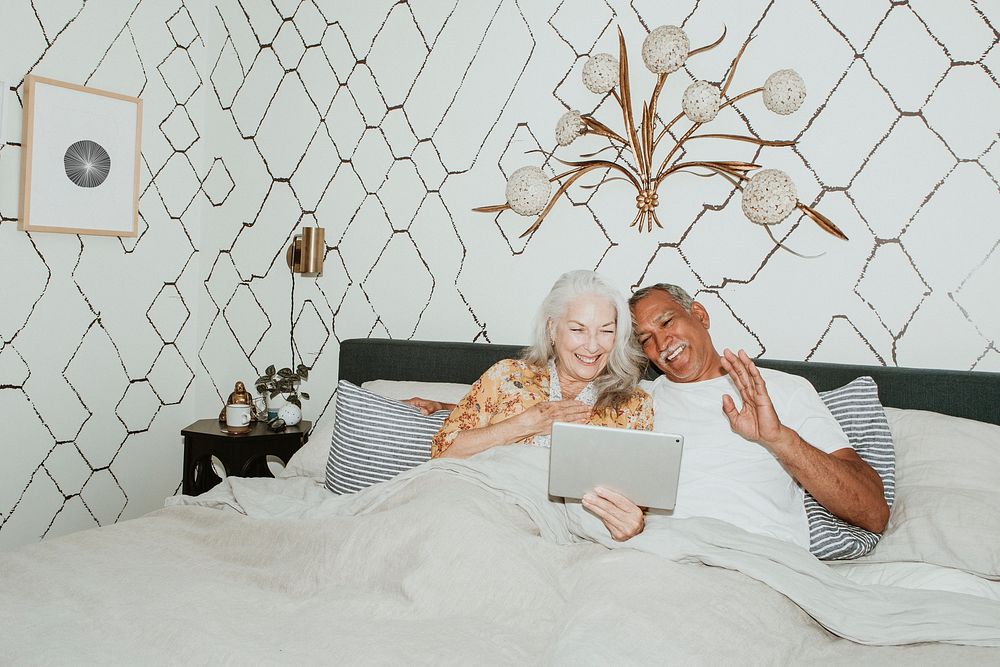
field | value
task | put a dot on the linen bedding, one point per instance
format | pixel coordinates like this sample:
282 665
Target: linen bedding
469 562
518 475
452 562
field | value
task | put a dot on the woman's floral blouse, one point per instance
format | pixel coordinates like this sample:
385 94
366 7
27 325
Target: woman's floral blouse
510 387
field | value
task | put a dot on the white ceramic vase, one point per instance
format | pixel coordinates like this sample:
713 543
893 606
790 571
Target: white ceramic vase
290 413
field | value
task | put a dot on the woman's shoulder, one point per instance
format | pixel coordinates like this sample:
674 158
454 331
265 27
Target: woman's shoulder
506 368
635 411
629 404
638 396
516 364
638 405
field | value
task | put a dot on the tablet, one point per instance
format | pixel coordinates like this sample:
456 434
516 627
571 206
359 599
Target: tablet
643 466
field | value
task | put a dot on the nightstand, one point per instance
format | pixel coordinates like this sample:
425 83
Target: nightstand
243 455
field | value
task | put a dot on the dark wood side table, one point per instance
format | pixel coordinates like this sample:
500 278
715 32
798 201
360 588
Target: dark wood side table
243 455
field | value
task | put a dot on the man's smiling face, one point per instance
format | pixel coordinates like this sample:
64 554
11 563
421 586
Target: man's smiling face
675 340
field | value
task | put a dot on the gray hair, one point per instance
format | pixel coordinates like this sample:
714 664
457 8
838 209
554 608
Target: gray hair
678 294
626 362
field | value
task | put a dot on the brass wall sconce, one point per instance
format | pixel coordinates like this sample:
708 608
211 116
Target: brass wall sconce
305 254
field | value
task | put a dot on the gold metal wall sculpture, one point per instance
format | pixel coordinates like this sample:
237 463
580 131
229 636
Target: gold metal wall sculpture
768 195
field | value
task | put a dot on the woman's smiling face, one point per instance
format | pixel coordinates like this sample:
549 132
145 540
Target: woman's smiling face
584 336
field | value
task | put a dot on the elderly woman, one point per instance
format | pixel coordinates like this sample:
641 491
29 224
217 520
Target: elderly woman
583 366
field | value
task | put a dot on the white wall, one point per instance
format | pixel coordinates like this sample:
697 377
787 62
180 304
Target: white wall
386 123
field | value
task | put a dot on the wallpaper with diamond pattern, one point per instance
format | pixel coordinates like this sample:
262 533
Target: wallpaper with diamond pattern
386 122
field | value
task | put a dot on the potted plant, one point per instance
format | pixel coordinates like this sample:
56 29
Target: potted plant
284 382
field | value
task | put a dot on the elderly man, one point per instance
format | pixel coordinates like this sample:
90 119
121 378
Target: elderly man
754 438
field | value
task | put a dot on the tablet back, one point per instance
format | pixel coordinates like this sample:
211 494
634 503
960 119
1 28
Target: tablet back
644 466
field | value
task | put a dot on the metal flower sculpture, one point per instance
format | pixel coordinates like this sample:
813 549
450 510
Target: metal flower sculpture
768 196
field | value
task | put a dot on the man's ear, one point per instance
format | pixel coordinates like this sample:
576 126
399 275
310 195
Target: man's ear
700 314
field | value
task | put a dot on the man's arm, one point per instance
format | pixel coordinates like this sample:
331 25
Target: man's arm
840 481
428 406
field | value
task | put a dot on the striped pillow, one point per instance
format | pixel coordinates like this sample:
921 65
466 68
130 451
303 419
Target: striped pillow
376 438
856 408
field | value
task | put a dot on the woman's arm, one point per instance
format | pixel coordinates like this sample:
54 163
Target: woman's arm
533 421
493 413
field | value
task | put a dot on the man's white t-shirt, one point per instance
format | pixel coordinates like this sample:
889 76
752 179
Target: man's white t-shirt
726 477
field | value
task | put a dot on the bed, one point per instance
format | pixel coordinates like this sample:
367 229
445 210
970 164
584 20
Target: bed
454 562
970 395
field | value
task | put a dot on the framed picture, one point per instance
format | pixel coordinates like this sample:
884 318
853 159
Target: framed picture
80 160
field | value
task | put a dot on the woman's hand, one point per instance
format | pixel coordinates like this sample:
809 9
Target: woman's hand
427 406
538 419
622 517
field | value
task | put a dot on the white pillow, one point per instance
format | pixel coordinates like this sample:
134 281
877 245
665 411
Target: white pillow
310 460
446 392
947 493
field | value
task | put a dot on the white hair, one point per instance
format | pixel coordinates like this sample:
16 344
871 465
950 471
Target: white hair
626 362
678 294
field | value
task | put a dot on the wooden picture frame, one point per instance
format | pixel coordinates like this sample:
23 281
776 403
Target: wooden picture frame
80 154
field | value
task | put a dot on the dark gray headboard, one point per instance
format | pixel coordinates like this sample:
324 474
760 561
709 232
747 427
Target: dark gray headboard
973 395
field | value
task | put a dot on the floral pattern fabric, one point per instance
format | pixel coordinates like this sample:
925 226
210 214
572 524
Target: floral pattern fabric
510 387
587 395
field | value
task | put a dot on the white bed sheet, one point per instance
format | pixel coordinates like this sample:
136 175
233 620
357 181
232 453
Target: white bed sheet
918 576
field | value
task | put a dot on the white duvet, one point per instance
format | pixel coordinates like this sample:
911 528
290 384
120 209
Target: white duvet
454 562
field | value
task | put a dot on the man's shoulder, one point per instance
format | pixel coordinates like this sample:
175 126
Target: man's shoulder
688 394
787 381
801 408
770 372
658 386
780 379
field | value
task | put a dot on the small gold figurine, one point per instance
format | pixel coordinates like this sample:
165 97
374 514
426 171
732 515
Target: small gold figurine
240 396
